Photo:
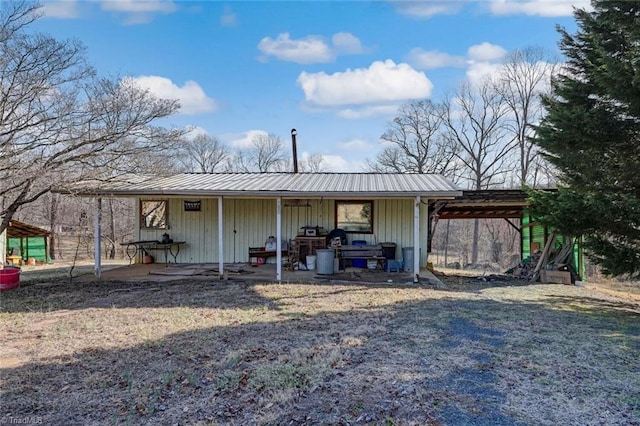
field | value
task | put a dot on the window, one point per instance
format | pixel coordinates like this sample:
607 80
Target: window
355 217
153 214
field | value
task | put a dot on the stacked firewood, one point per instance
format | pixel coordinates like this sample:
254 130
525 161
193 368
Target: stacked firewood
526 268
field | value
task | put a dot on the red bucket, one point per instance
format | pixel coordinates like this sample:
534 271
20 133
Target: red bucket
9 278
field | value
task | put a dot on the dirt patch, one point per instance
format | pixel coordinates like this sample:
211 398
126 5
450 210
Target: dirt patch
209 352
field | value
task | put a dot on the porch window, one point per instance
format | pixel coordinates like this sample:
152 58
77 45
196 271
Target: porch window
355 217
153 214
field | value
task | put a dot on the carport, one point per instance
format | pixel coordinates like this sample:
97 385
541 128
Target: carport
29 240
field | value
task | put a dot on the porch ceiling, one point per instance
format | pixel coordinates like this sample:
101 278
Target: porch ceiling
483 204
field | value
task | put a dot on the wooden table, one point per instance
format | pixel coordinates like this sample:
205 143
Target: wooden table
367 252
307 246
259 253
134 247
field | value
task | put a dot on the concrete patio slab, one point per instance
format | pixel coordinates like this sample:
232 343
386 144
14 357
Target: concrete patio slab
260 273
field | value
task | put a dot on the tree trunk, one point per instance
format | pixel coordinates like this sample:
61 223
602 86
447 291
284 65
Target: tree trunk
53 216
446 244
474 246
112 230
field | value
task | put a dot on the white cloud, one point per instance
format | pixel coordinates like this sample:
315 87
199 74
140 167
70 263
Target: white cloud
337 163
136 6
486 52
347 43
193 100
480 71
431 59
228 18
307 50
478 54
382 82
243 140
139 12
357 145
368 111
427 8
547 8
311 49
196 131
66 9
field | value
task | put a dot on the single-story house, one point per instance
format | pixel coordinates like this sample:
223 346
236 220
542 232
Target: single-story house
220 216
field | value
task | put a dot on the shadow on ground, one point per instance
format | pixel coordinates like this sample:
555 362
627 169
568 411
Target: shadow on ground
437 361
200 293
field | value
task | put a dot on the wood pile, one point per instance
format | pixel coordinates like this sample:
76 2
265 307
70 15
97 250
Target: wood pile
525 270
547 260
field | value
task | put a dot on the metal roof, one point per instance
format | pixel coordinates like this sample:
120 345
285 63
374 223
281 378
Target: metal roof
18 229
483 204
391 185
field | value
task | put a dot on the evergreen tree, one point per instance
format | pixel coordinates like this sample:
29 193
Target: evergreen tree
591 133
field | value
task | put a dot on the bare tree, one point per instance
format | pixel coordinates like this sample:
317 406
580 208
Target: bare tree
51 211
476 123
524 77
118 216
59 123
503 239
417 142
204 154
266 154
475 118
313 163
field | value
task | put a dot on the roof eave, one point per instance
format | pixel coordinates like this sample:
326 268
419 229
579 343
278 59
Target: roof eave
266 194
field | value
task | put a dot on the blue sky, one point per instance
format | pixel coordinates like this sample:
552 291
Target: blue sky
336 71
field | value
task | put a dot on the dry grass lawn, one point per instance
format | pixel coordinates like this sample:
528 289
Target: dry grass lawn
203 352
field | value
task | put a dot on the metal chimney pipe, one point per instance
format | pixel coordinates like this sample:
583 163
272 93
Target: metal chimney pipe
295 150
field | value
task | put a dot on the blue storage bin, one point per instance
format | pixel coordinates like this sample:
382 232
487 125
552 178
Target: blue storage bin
359 263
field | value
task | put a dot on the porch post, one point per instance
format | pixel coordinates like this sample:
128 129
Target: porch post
416 240
220 239
97 231
427 230
279 239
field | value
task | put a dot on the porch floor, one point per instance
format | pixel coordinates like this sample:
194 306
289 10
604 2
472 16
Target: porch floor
262 273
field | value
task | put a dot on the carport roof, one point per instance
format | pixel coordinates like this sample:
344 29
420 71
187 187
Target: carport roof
18 229
268 185
483 204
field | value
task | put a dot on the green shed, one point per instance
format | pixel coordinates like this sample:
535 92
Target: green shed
535 235
27 241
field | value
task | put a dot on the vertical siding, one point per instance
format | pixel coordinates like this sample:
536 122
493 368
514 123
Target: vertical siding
393 222
295 215
248 223
198 229
230 244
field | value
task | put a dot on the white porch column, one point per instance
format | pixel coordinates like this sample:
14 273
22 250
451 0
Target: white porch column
97 238
279 239
3 246
416 240
424 226
220 239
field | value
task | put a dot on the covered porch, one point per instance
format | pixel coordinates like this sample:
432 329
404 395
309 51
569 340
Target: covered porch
218 217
